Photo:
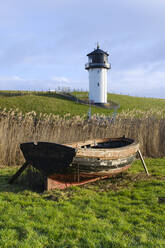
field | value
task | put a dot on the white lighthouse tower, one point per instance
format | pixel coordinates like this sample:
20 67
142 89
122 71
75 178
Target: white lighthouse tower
98 69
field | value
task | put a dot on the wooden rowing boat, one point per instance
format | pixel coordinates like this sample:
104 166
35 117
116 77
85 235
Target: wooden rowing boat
79 162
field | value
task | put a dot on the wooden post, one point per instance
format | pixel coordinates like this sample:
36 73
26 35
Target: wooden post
143 163
78 174
18 173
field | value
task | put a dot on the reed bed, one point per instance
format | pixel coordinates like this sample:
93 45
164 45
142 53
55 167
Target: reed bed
16 128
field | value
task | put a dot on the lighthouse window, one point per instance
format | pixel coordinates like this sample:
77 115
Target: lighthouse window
98 84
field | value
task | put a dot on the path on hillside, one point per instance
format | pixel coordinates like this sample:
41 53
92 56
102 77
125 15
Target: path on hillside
109 105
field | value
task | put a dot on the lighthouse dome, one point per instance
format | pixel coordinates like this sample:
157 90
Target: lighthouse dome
97 59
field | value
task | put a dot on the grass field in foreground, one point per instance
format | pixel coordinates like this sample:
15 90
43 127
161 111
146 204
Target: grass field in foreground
121 212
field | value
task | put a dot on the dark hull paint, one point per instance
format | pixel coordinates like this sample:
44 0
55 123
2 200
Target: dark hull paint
48 157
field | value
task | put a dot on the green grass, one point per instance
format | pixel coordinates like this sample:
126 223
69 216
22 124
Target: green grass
130 102
48 103
141 103
120 212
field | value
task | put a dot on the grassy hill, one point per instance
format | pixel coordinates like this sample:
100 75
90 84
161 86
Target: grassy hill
130 102
47 102
141 103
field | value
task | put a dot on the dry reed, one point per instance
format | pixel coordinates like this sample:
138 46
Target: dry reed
16 128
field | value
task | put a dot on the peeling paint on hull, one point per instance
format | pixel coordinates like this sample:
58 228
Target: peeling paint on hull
80 162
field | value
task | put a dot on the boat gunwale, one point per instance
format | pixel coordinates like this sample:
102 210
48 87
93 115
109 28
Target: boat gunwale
114 149
78 145
99 153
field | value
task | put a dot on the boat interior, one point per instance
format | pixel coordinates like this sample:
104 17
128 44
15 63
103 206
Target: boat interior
104 143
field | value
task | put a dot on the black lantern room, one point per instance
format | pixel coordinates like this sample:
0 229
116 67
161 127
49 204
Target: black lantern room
97 59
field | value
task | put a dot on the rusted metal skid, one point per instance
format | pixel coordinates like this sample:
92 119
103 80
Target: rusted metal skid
62 182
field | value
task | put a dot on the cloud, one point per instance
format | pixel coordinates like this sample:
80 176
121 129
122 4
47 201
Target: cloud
60 79
138 82
19 83
40 39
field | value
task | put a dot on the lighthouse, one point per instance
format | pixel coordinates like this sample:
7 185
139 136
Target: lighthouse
97 67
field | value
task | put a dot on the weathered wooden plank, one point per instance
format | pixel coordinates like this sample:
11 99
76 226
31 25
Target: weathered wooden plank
113 153
143 162
96 162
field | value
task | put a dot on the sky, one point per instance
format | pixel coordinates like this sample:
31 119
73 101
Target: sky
44 43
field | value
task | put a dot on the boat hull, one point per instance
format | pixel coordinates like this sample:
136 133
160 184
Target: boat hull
86 159
80 162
